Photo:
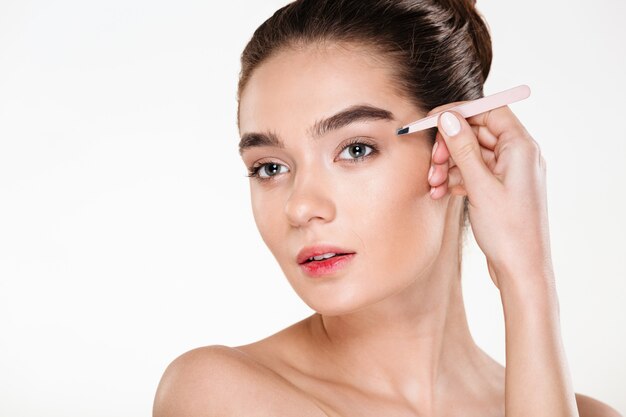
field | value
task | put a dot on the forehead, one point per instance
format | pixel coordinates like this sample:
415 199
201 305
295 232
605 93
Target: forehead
299 86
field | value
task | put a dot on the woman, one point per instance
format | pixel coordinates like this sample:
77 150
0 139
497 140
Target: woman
324 86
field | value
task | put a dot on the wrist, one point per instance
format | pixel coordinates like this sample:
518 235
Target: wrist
523 276
528 290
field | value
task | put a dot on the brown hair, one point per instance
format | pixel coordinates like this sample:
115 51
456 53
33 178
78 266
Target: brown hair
440 50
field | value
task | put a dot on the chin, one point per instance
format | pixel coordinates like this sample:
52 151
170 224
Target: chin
337 299
334 310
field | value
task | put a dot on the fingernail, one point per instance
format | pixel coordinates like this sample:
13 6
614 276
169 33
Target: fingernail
430 172
435 148
432 191
450 124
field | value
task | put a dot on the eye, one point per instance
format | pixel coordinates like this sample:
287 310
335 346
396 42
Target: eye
269 168
356 150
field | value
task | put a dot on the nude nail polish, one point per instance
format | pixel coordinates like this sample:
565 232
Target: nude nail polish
450 124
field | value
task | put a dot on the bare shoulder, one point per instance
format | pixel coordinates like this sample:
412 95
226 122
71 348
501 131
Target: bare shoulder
221 380
590 407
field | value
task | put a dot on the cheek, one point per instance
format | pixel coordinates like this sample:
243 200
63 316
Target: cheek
400 227
392 190
268 217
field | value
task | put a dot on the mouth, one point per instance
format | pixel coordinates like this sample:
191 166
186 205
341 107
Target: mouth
327 266
320 253
324 258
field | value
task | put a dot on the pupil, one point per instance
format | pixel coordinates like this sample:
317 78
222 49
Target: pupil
273 168
359 150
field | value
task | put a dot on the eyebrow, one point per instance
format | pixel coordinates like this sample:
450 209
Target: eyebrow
345 117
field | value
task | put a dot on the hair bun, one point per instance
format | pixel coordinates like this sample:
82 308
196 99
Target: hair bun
481 37
469 19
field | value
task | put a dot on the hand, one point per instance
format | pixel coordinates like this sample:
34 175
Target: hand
494 161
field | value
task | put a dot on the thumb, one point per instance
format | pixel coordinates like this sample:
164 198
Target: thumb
464 149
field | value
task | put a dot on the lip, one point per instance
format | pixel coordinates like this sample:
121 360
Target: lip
309 251
327 267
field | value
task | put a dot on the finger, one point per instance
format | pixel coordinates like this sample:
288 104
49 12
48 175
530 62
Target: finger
440 173
489 157
492 123
464 149
498 121
441 154
439 191
453 185
453 180
485 138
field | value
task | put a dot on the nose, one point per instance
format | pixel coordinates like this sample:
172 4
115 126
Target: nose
311 199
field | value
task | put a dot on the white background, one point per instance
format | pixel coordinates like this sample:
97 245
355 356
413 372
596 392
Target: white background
126 232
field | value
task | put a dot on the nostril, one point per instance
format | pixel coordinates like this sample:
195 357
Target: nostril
310 205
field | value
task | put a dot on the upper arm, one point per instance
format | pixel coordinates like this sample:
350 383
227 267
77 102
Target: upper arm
590 407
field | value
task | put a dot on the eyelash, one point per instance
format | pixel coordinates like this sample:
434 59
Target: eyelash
253 172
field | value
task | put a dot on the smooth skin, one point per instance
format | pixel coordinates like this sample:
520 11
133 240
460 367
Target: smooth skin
389 336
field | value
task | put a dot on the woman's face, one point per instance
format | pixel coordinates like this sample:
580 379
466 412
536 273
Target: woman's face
351 183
